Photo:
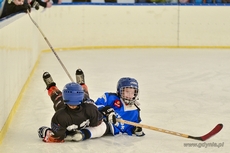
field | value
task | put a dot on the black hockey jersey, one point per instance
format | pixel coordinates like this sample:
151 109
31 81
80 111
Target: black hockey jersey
68 120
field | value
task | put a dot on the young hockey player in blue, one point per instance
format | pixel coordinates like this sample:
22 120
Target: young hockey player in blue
122 104
125 106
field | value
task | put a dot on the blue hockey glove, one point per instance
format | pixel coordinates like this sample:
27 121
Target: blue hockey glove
138 131
109 113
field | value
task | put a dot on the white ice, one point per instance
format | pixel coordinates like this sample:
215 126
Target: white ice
182 90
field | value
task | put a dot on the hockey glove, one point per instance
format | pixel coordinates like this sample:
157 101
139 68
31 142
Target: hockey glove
34 4
47 135
138 131
42 131
109 113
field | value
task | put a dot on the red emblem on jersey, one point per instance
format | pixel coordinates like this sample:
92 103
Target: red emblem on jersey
117 103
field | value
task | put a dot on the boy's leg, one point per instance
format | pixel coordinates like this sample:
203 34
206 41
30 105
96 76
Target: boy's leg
88 133
54 93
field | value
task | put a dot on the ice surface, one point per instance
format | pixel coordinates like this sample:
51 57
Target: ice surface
182 90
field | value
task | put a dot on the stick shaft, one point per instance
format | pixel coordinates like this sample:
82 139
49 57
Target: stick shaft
63 66
153 128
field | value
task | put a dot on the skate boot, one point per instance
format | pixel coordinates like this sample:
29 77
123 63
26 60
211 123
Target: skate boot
80 79
48 80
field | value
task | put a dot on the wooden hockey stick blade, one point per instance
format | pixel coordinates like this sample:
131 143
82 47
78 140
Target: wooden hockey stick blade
202 138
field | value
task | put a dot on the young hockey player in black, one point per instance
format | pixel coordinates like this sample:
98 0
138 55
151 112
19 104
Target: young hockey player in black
76 117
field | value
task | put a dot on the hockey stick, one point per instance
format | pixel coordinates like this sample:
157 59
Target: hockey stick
63 66
214 131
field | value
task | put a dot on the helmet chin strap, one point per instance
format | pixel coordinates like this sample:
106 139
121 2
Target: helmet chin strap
129 102
132 102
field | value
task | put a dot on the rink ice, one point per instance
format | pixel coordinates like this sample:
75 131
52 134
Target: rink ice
182 90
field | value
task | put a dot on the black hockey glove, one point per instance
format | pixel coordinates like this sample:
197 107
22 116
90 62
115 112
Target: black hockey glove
34 4
138 131
42 131
109 113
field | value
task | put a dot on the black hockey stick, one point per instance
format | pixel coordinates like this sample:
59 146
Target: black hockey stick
214 131
63 66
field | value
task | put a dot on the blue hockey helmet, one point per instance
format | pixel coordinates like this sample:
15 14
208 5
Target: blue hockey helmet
73 94
127 82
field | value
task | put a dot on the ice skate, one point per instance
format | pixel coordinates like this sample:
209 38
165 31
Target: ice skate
48 80
80 78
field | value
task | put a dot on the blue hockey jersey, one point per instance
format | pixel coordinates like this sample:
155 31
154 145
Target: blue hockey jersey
123 111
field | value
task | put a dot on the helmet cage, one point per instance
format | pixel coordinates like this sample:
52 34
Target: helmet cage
129 96
125 83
